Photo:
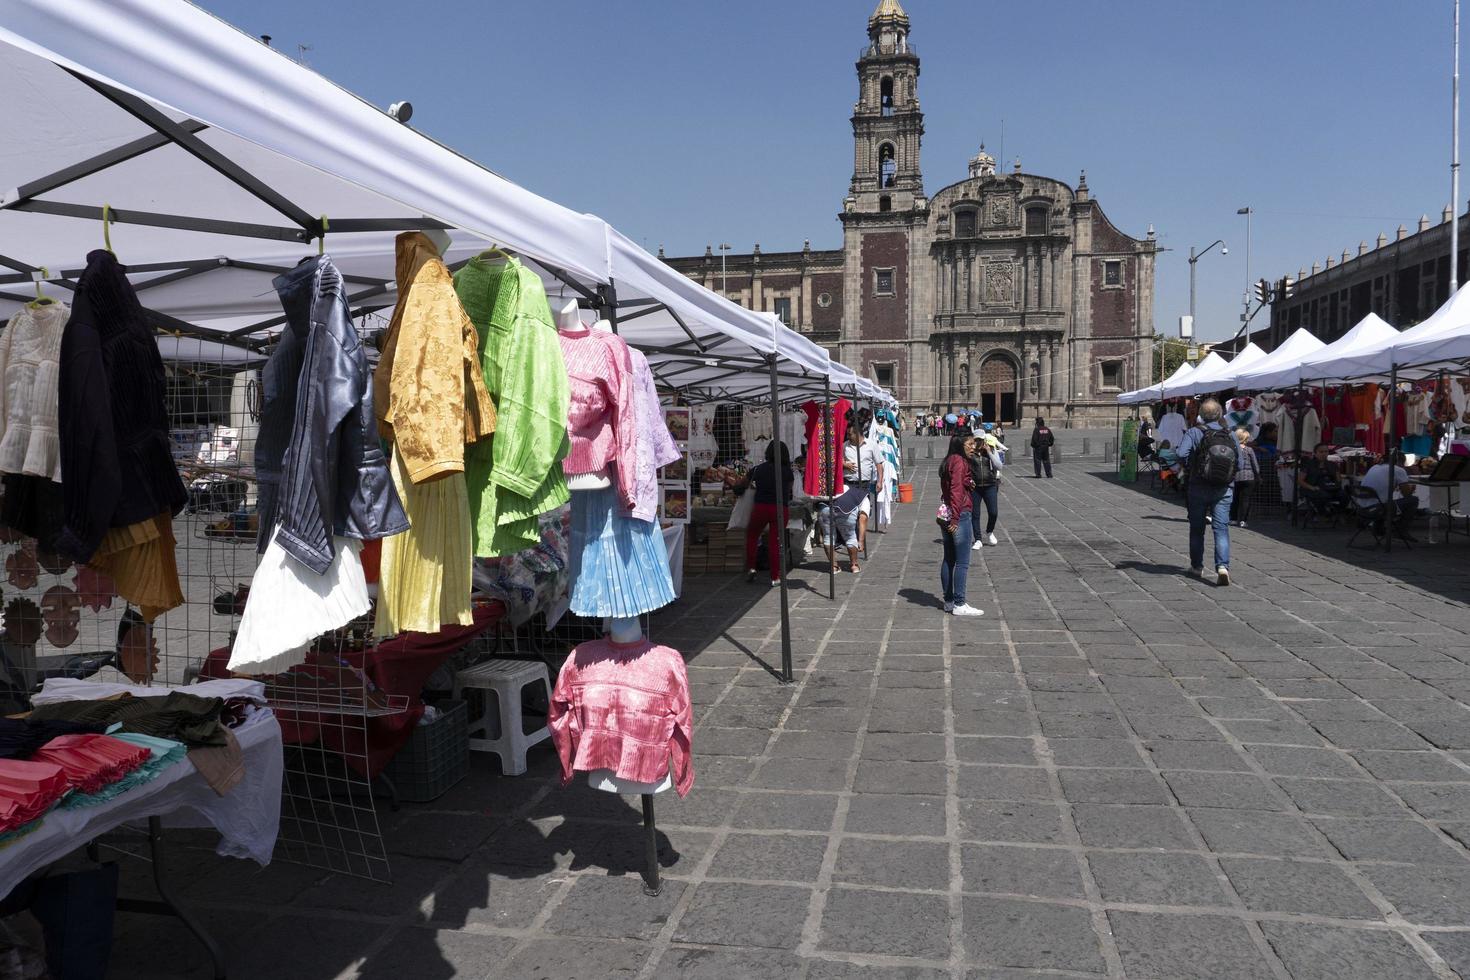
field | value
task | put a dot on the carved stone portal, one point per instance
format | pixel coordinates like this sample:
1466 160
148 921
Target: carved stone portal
1000 284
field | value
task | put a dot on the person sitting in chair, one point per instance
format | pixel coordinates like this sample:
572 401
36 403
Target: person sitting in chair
1319 482
1168 464
1392 486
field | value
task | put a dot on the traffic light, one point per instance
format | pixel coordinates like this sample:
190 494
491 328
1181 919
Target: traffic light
1285 288
1263 292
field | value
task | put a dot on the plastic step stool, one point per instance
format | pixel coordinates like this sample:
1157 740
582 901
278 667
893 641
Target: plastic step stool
506 679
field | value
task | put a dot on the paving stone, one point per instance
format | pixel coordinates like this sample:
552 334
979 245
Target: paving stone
1407 841
444 952
1113 753
993 721
1425 766
1423 894
1436 801
1453 947
886 923
1215 756
1235 791
920 816
1010 822
733 914
801 774
1267 885
784 811
1003 751
1189 728
614 908
921 778
834 970
1016 870
684 963
1003 783
1370 735
1258 832
1131 826
893 863
1186 947
1156 879
558 959
1273 732
813 745
1008 933
765 857
1291 760
1337 797
903 748
1111 786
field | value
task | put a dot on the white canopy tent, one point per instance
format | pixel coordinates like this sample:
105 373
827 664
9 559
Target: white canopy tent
1286 357
219 160
1219 377
1153 392
1378 360
1183 387
1370 333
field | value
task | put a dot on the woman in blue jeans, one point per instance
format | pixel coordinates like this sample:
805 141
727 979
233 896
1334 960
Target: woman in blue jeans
955 486
985 466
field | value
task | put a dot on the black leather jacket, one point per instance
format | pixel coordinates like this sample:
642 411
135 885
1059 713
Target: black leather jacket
321 469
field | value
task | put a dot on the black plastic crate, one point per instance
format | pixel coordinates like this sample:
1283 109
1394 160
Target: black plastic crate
435 757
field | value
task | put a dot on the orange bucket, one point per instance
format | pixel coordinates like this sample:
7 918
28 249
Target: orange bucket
905 493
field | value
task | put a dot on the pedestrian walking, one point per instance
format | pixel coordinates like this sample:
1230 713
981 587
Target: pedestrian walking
764 515
955 484
986 463
1041 442
1211 458
1248 471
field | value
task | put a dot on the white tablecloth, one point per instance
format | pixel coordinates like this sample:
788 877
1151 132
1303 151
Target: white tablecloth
248 817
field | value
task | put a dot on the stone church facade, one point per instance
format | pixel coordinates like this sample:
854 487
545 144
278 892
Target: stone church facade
1008 292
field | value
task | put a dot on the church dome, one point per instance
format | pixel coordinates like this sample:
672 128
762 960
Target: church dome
982 164
889 12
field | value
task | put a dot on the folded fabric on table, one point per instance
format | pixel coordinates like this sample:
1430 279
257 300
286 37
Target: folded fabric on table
19 737
91 762
27 790
183 717
162 753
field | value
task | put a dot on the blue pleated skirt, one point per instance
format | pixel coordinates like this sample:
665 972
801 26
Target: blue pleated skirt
619 565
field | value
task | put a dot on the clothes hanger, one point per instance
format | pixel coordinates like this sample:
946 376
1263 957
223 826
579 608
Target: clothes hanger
41 299
494 252
107 228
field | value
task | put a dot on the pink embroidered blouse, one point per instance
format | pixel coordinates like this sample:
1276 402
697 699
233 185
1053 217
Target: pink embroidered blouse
655 446
624 707
602 422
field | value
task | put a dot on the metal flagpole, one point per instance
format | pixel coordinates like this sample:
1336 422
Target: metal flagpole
778 557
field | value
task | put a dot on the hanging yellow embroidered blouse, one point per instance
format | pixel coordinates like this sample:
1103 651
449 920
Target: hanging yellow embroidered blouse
516 476
430 398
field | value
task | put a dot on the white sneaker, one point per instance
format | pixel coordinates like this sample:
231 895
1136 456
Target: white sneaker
1240 524
964 609
977 545
949 607
1222 575
990 540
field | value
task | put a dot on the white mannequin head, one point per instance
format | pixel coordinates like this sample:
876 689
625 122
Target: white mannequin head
439 237
569 317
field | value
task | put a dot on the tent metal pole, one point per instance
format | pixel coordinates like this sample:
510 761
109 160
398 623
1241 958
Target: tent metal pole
1390 517
190 143
778 559
239 229
826 465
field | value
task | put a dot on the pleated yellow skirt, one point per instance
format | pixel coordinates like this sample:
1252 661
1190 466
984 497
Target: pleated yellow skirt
427 571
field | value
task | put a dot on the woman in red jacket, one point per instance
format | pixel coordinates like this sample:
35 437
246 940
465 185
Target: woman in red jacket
955 486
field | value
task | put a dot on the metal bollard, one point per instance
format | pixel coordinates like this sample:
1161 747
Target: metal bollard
1087 447
929 449
913 455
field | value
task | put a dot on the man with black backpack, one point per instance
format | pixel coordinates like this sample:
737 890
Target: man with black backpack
1041 442
1210 461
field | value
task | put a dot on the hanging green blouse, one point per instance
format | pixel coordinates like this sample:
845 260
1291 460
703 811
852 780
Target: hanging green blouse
516 475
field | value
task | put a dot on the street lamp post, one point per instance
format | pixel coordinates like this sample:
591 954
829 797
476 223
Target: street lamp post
1455 162
1195 257
724 251
1247 300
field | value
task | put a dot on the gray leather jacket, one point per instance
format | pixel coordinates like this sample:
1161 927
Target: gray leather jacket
321 469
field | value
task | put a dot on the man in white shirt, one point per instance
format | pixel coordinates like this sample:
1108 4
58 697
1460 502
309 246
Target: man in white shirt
1400 496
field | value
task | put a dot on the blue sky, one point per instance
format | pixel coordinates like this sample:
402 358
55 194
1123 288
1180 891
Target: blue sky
691 123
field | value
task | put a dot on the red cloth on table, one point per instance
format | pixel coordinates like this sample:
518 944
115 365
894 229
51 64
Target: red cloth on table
397 667
91 762
27 790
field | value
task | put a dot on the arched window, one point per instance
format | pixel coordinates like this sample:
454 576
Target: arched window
887 165
1036 220
885 95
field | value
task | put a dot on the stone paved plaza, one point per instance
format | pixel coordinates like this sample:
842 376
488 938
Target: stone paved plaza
1118 771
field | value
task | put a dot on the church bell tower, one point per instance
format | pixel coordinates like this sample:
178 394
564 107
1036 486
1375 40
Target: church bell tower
887 125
